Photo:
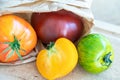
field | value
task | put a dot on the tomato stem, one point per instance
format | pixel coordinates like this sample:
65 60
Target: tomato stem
51 49
49 46
107 60
15 46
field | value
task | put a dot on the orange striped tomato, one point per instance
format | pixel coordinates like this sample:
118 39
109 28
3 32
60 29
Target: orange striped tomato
17 38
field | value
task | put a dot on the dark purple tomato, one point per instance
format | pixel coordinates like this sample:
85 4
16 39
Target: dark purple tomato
50 26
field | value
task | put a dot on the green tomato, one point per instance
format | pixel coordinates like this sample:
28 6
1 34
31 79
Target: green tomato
95 53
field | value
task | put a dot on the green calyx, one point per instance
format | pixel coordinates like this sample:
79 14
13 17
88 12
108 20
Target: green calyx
51 49
15 47
15 44
49 46
107 60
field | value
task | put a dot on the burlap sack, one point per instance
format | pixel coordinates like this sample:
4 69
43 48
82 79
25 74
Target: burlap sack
24 8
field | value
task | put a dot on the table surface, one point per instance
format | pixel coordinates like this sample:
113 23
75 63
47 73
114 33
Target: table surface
29 72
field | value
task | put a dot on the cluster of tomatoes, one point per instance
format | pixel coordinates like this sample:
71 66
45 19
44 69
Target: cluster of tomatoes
58 30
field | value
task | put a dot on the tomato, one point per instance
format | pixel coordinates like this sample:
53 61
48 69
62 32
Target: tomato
95 53
17 38
50 26
58 59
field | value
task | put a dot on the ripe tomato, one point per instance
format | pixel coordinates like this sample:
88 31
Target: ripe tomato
58 59
17 38
50 26
95 53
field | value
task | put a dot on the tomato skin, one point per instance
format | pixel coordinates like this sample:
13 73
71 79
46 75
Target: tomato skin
53 25
12 27
57 61
95 53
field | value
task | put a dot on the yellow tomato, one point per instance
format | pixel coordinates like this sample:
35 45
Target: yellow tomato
59 59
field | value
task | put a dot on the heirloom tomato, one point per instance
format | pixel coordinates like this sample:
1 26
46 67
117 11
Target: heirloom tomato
95 53
59 59
50 26
17 38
